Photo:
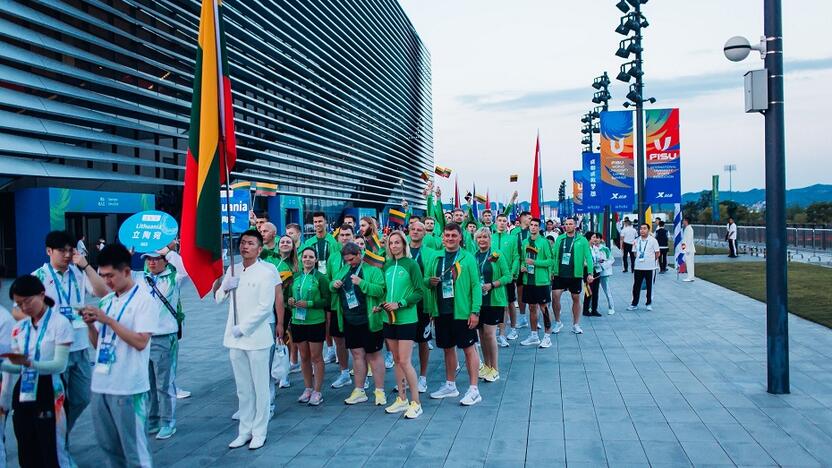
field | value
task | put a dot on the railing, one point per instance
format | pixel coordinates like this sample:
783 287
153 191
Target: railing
815 240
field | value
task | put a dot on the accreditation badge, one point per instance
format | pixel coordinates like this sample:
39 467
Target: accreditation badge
352 299
28 385
447 289
322 266
567 256
106 358
299 313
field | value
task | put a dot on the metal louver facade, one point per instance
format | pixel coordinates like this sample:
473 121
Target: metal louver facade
332 98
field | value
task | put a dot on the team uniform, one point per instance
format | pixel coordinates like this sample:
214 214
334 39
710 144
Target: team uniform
493 268
403 284
358 318
536 279
454 299
572 254
508 246
421 255
309 323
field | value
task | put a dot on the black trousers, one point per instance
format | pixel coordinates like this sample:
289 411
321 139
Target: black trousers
663 258
732 247
628 253
639 277
591 302
34 426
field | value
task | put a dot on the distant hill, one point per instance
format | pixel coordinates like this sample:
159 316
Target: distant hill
800 196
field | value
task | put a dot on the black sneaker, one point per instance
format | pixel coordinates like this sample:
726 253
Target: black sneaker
595 314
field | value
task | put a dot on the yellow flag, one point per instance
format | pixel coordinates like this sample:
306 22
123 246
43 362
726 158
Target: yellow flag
648 215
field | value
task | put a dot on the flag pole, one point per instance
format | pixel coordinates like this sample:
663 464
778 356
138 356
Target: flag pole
223 153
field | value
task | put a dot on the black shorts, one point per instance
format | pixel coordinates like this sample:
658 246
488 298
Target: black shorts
536 294
571 283
311 333
360 336
492 315
511 291
423 334
451 332
401 332
333 325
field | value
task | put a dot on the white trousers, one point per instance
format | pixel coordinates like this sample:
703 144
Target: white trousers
689 262
251 375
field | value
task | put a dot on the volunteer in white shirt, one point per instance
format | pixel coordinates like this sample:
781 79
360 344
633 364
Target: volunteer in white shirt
731 237
689 246
628 237
40 343
68 278
249 336
120 329
7 322
163 276
647 253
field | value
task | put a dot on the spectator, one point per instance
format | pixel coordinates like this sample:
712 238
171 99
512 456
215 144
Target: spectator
731 237
662 239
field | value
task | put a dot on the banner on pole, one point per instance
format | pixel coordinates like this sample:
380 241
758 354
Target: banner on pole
592 195
237 210
617 163
663 183
715 198
578 191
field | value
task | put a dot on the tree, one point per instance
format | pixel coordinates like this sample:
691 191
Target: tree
819 213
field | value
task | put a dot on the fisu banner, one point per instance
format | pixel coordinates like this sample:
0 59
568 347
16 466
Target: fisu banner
617 163
592 196
663 183
578 191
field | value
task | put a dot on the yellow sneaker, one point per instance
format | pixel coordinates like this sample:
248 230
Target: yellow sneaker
398 406
484 371
413 411
493 375
357 396
369 371
381 398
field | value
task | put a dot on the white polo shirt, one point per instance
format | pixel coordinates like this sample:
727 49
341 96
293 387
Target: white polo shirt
646 250
71 290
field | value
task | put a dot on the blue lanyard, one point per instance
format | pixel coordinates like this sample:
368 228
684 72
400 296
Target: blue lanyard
59 287
41 334
123 308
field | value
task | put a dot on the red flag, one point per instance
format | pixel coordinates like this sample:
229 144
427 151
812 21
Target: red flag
487 200
535 201
456 194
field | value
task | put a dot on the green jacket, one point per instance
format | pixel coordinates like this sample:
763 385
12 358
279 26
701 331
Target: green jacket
313 287
506 243
500 272
467 290
432 241
436 211
581 255
371 285
542 263
332 245
403 283
468 241
287 274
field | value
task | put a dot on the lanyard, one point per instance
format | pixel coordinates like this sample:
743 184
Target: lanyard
484 260
41 334
563 246
640 248
326 249
302 284
59 287
348 281
123 308
444 257
418 255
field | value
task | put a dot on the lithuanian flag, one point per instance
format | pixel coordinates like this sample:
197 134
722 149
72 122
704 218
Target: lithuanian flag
374 259
442 171
396 217
265 189
211 152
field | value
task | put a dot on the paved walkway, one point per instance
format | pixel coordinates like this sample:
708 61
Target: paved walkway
682 385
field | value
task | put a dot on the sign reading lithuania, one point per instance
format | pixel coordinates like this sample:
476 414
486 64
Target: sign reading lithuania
237 207
592 197
663 183
578 191
148 231
617 168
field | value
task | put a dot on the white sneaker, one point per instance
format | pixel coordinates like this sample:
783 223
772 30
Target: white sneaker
522 321
611 312
329 356
294 368
472 397
182 394
649 307
445 391
558 327
576 329
430 345
512 334
532 340
343 379
632 307
687 280
423 384
388 360
284 383
547 341
502 342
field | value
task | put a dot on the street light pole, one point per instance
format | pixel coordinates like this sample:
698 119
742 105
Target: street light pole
777 314
640 125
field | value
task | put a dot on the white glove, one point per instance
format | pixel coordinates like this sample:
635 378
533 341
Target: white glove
236 331
230 282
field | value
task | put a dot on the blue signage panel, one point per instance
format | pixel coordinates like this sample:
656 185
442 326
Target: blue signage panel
148 231
236 208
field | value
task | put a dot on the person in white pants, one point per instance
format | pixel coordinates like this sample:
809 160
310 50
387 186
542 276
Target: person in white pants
249 336
689 246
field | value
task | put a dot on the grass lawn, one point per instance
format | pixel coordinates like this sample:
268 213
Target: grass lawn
808 297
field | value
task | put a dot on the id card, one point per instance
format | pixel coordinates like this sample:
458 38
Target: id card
447 289
567 256
28 385
530 269
322 266
106 358
352 299
300 313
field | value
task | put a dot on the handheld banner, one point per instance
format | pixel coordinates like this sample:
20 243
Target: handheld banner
592 195
237 207
617 163
578 191
663 183
148 231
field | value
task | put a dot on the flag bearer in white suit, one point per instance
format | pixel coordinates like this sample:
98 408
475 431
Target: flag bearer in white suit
249 336
689 246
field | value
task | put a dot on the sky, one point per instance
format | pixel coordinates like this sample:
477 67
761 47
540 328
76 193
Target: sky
504 70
